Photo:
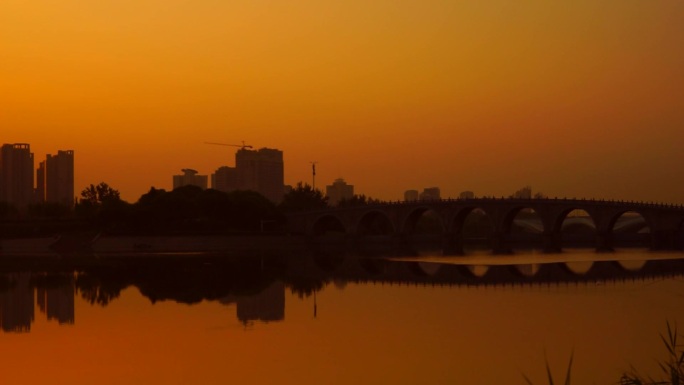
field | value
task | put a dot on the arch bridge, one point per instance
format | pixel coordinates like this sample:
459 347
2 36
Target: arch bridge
396 221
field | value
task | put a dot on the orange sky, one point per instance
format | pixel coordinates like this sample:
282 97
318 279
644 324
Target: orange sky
579 98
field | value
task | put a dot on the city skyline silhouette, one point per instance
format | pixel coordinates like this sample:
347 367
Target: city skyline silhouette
577 101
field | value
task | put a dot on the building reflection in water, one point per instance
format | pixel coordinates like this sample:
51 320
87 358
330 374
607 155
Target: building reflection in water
20 293
17 303
266 306
258 287
57 303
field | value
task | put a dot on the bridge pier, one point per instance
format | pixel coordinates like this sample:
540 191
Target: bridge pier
604 242
401 245
500 243
551 242
664 240
452 244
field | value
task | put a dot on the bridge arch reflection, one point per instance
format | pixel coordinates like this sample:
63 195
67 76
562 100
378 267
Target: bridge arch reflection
579 267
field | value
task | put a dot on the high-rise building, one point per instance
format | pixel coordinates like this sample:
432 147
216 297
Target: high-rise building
190 178
261 171
430 193
55 178
225 179
339 191
40 183
466 195
411 195
16 174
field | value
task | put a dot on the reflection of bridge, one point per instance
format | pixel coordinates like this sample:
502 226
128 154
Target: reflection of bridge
414 272
398 220
257 284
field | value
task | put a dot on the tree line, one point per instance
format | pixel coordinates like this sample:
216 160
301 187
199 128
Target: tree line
187 209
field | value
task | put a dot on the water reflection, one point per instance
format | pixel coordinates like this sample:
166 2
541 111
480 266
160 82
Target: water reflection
17 303
257 286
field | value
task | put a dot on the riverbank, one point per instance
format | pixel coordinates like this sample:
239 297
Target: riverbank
150 244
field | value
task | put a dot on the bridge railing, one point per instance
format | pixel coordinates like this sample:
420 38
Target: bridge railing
613 202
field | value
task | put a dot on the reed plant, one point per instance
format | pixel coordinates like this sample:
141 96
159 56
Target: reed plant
550 376
672 367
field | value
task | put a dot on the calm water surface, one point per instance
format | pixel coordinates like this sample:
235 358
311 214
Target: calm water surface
344 320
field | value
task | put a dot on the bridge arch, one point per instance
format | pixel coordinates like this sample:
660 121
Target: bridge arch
522 227
413 219
495 216
458 219
575 227
421 230
470 227
327 223
630 221
510 217
558 222
373 223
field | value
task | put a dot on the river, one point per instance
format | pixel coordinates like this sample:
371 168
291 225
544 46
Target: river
265 319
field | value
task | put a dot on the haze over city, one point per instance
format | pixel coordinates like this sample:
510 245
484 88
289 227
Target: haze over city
583 99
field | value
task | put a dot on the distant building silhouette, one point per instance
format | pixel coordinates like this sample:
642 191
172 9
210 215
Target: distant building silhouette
430 193
466 195
225 179
338 191
16 174
40 183
190 178
411 195
55 179
261 171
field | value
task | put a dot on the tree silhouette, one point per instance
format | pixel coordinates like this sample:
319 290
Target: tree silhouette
99 194
102 203
303 197
357 200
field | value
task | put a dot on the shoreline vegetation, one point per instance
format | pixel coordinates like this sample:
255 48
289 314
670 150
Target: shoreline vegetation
187 210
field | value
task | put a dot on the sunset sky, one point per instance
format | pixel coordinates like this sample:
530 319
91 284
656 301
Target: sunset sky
581 98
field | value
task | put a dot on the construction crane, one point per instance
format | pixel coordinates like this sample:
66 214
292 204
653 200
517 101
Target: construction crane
242 146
